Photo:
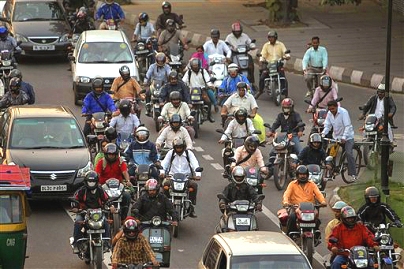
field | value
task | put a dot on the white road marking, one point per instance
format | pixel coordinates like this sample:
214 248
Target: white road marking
198 149
207 157
217 166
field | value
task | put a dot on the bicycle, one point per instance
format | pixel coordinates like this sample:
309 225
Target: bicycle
340 165
315 78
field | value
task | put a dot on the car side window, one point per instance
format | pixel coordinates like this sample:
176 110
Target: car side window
222 264
211 255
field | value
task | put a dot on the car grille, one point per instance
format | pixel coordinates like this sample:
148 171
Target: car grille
53 175
46 40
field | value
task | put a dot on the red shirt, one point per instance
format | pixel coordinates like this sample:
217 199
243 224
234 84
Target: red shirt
111 170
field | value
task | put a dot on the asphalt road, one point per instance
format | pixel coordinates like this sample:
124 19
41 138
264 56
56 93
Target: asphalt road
50 226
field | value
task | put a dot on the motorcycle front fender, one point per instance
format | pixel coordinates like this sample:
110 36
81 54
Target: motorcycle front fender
308 234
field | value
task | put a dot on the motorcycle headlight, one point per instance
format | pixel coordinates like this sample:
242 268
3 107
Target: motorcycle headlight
175 58
307 216
156 93
315 178
95 225
361 263
179 186
140 46
83 171
6 62
113 192
19 37
242 208
252 181
320 121
84 79
241 49
385 239
99 124
156 221
369 127
64 38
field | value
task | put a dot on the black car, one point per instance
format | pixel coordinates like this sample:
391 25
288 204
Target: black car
47 139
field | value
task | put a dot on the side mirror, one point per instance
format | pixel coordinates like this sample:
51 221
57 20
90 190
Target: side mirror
199 169
212 79
260 197
361 108
92 139
287 51
220 131
267 125
329 159
258 132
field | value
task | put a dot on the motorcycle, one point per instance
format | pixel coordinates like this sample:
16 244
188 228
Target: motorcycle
357 256
238 215
144 54
273 82
176 55
99 122
217 68
240 57
6 66
114 189
113 24
317 174
199 109
306 236
155 89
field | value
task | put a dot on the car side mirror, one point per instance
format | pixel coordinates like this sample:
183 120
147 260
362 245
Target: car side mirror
258 132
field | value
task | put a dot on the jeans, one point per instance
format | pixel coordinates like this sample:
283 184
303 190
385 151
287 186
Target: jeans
350 158
211 95
77 234
341 259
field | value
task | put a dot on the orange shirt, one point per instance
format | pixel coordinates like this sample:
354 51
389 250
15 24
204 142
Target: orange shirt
129 89
296 193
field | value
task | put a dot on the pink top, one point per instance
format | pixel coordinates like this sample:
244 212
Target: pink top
201 56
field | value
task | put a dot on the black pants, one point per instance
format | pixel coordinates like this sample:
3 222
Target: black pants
87 126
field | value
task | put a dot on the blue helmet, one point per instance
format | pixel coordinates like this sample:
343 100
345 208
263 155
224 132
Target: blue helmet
3 33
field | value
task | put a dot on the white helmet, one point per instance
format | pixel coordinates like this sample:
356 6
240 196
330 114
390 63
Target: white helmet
232 67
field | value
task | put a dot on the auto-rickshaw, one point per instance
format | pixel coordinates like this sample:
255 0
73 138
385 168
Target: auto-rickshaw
14 209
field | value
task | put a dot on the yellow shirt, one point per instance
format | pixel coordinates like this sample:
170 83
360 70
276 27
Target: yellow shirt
296 193
129 89
330 226
273 52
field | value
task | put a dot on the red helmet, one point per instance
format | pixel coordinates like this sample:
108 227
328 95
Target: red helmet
236 29
287 105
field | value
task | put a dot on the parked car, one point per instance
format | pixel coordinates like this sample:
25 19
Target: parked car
100 53
47 139
40 25
252 249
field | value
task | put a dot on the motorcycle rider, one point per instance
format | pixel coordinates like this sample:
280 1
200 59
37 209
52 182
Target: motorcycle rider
125 86
25 86
9 43
350 233
216 46
174 84
229 83
325 92
143 151
249 155
237 37
15 96
72 6
315 60
272 51
110 134
239 127
197 77
181 160
376 212
144 29
154 203
313 153
336 208
170 133
238 189
91 195
375 105
101 153
125 122
338 119
132 247
167 14
82 21
96 101
301 190
112 166
171 37
110 10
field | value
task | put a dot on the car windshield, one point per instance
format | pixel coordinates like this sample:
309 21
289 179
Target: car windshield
37 11
270 262
105 52
36 133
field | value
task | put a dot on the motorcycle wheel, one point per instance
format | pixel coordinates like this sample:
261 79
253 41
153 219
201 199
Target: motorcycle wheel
387 266
177 228
308 248
358 162
277 97
97 262
116 223
280 176
370 157
195 124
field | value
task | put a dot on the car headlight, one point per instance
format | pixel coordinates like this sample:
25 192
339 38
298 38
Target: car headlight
83 171
64 38
307 216
21 38
84 79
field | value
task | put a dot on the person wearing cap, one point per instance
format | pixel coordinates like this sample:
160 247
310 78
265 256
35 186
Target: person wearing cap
217 46
336 208
375 105
273 50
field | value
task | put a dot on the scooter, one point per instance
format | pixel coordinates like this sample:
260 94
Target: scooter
199 109
217 68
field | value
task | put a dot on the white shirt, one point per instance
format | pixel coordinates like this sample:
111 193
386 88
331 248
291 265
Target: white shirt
379 111
169 110
168 135
220 48
341 124
180 163
144 32
125 125
234 41
197 79
234 129
234 102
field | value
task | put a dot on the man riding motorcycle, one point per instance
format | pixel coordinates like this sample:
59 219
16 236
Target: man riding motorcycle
313 153
144 29
216 46
229 83
170 133
174 84
167 14
125 86
14 96
82 21
239 127
25 86
170 37
325 92
125 122
9 43
109 11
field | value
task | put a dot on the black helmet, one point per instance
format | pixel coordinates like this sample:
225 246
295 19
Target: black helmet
372 192
124 71
241 115
164 5
110 133
179 145
251 143
98 82
272 33
130 229
111 148
214 33
91 180
316 137
175 118
325 82
160 59
143 17
124 107
15 85
238 174
348 212
302 170
15 73
142 135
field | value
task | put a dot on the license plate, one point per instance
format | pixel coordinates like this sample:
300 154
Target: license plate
242 58
54 188
371 133
307 224
181 194
386 247
242 221
44 47
156 239
142 51
100 231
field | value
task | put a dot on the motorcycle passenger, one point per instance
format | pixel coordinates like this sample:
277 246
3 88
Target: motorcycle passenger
25 86
144 29
238 189
143 151
376 212
350 233
239 127
313 153
101 153
273 50
167 14
336 208
197 77
338 119
125 86
181 160
315 60
229 83
237 37
325 92
96 101
132 247
375 105
201 55
109 10
89 196
174 84
125 122
170 133
9 43
154 203
217 46
301 190
112 166
82 22
15 96
171 37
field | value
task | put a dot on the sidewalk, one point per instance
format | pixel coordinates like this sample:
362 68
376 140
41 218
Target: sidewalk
355 37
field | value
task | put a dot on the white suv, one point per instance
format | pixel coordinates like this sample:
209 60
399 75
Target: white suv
100 53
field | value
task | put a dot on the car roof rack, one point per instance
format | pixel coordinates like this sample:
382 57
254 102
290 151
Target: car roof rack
13 177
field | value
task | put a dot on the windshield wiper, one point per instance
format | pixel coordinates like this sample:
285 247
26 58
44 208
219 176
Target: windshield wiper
47 147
